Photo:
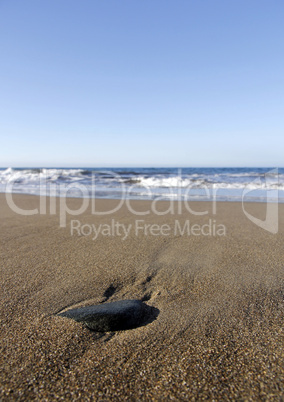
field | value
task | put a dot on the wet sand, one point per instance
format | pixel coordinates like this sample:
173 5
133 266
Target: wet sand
219 331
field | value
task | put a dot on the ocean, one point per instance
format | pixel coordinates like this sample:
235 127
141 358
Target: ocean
200 184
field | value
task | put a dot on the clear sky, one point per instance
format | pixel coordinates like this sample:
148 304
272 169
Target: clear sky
142 83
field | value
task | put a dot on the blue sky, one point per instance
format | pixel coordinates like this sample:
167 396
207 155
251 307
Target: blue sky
142 83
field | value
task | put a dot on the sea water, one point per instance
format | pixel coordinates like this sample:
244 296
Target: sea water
221 184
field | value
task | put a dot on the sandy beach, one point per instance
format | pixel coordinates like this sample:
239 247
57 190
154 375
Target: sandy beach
219 331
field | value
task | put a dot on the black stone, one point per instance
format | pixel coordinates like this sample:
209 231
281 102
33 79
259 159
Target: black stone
115 316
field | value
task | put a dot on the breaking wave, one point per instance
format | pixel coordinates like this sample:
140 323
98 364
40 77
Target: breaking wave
144 183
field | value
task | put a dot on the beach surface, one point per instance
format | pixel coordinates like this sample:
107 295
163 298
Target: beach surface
218 334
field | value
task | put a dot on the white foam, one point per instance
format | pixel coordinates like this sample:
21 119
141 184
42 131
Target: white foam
171 186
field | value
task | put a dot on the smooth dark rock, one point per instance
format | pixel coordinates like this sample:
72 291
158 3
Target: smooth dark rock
115 316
